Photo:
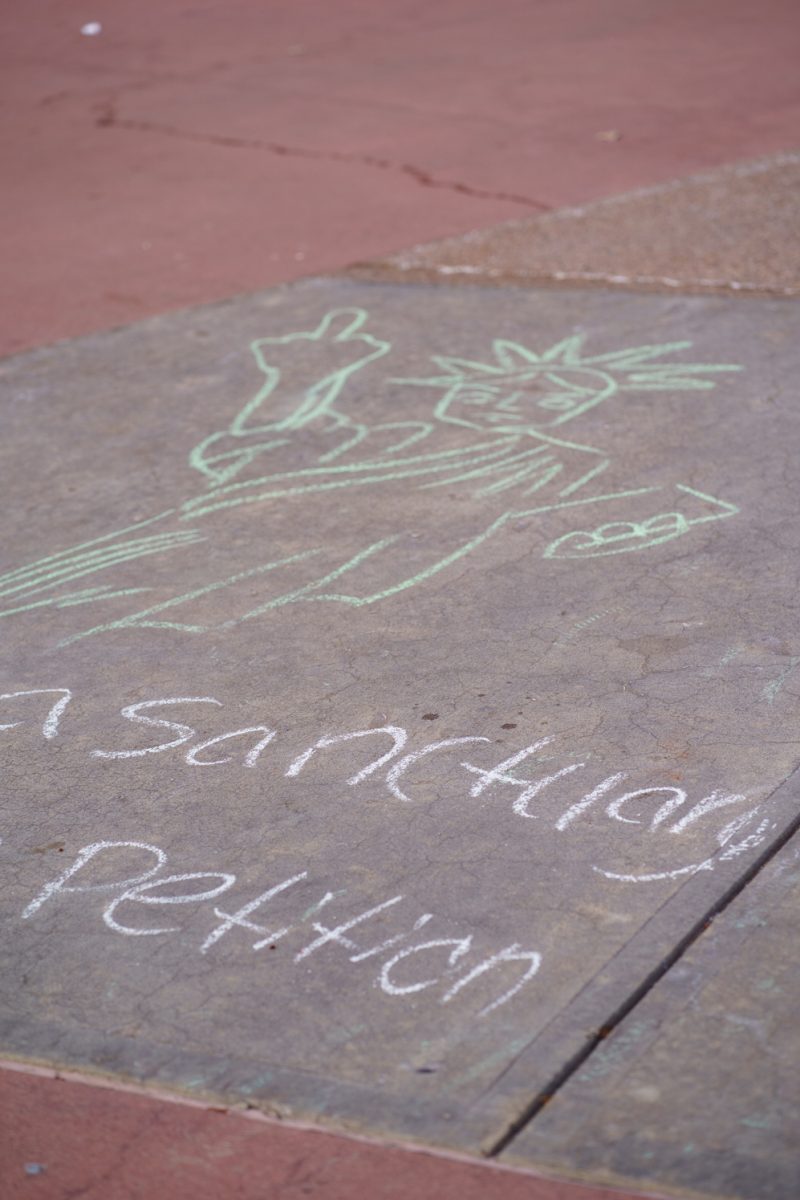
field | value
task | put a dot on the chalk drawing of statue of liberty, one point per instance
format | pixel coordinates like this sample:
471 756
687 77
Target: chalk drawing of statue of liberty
491 433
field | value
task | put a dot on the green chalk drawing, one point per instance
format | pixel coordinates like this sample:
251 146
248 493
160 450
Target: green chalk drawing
758 1122
42 578
770 692
142 618
491 433
54 558
619 537
606 612
86 596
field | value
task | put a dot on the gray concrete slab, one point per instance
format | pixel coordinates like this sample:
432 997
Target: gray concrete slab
545 583
698 1088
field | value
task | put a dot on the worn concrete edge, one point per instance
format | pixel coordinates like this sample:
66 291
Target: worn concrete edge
389 269
386 271
347 279
448 276
323 1103
275 1123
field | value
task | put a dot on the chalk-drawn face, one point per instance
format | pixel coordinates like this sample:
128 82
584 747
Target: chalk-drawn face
533 399
519 389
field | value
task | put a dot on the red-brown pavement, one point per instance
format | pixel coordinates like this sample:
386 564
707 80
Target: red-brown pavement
64 1140
192 150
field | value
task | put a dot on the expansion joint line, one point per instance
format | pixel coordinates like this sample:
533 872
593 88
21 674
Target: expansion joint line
606 1029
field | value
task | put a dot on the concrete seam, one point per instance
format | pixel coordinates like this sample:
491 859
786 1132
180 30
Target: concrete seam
607 1028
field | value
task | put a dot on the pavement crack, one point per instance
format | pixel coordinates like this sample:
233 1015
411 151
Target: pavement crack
107 117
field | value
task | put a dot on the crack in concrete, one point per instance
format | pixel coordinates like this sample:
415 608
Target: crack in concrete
108 118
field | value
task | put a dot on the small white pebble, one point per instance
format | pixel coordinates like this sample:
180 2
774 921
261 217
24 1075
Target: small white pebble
34 1168
91 29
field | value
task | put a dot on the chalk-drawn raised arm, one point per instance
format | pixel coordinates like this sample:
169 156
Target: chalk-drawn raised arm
305 373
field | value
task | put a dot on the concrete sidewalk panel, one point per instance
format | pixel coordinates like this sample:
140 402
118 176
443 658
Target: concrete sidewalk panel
393 678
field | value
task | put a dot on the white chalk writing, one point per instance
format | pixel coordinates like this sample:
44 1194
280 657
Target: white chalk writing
654 810
396 975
